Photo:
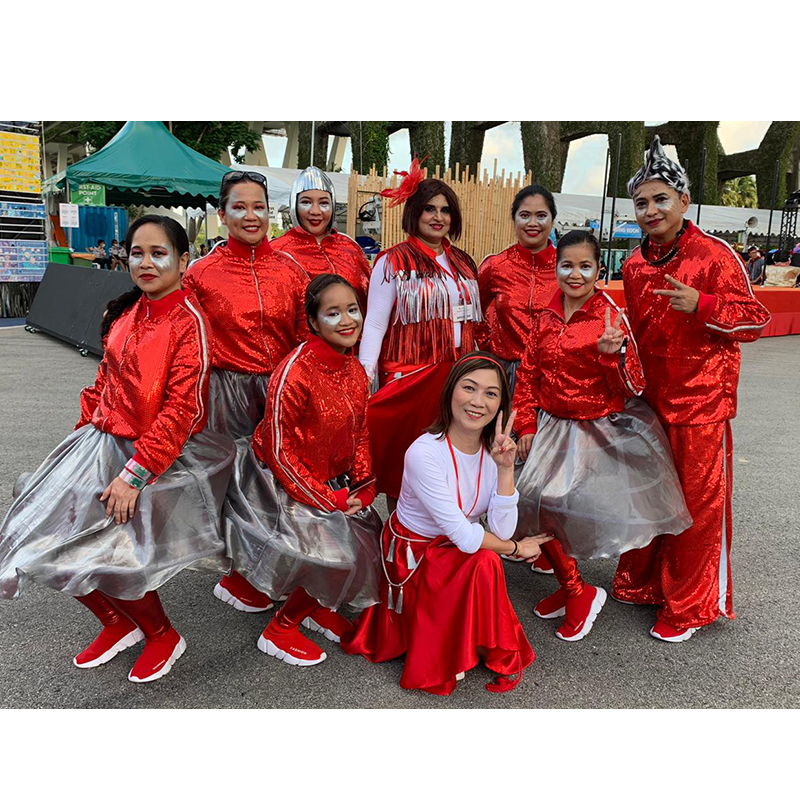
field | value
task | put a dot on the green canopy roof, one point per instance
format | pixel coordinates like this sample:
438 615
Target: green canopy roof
144 164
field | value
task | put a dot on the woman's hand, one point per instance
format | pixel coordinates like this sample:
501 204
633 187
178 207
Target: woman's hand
611 340
530 547
121 498
524 446
504 448
354 506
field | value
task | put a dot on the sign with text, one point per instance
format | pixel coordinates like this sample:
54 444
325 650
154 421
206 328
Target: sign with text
68 215
88 194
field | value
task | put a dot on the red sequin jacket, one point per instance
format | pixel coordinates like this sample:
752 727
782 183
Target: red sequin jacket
336 253
692 360
514 284
314 427
564 373
254 299
152 384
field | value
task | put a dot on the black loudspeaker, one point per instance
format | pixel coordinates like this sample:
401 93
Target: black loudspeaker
71 300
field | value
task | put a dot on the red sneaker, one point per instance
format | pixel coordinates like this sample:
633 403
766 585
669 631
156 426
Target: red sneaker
290 646
542 565
330 624
552 606
582 611
111 640
158 656
668 633
237 591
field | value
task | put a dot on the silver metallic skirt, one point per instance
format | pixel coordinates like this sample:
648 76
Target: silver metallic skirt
56 532
602 486
278 543
236 402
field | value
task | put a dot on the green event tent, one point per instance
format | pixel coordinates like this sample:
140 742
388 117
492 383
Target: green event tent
144 164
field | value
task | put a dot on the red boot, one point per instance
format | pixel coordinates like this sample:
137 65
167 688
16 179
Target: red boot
552 606
330 624
237 591
542 565
282 638
118 632
582 611
669 633
163 644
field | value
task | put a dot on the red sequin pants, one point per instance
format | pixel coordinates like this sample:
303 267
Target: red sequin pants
689 575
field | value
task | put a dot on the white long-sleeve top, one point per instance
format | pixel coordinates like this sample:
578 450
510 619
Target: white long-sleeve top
380 303
428 502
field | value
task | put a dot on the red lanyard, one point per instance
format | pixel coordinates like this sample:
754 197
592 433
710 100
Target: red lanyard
458 488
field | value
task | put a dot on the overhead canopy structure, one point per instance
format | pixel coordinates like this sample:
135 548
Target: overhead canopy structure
144 164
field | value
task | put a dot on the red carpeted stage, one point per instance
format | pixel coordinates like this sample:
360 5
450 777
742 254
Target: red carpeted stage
782 303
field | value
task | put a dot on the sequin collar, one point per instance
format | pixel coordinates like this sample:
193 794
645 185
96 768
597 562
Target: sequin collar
671 248
557 303
423 248
542 257
325 353
157 308
243 250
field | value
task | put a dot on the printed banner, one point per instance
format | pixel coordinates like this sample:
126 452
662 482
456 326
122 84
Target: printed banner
22 261
20 163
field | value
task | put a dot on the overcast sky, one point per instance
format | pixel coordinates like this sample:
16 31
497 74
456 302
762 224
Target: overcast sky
585 163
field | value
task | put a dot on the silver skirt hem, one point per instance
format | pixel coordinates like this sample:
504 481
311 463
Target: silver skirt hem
280 544
56 532
602 486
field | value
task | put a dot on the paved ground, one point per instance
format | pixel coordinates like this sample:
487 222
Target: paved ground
753 661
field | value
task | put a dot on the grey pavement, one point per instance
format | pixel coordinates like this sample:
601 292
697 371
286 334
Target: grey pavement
750 662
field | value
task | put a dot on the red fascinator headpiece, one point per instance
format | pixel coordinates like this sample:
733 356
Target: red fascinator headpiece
411 180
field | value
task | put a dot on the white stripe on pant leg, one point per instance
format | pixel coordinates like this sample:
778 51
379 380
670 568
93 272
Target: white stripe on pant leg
723 556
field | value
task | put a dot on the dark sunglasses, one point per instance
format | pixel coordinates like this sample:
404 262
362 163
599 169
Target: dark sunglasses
232 177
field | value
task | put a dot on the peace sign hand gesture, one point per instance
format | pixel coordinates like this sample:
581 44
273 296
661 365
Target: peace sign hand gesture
682 298
611 340
504 448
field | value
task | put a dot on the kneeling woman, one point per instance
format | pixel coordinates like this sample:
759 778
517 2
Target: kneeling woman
298 521
599 473
443 595
128 500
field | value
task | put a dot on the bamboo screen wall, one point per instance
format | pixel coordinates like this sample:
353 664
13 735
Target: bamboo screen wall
485 206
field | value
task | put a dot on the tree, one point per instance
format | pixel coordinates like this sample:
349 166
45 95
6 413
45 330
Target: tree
740 192
211 139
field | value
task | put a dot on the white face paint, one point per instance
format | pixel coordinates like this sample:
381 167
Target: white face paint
333 319
541 217
587 271
162 261
241 213
307 205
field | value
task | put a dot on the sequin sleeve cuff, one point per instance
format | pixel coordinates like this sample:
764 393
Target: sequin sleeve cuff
341 499
134 474
705 306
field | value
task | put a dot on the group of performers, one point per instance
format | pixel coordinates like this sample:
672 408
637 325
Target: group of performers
241 424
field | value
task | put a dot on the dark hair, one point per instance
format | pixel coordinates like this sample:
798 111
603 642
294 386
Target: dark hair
531 191
177 238
415 205
781 255
101 241
578 237
316 289
466 364
226 187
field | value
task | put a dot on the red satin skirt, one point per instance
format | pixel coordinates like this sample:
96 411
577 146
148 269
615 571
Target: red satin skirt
452 604
397 414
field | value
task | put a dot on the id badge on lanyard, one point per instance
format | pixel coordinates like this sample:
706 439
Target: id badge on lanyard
462 313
